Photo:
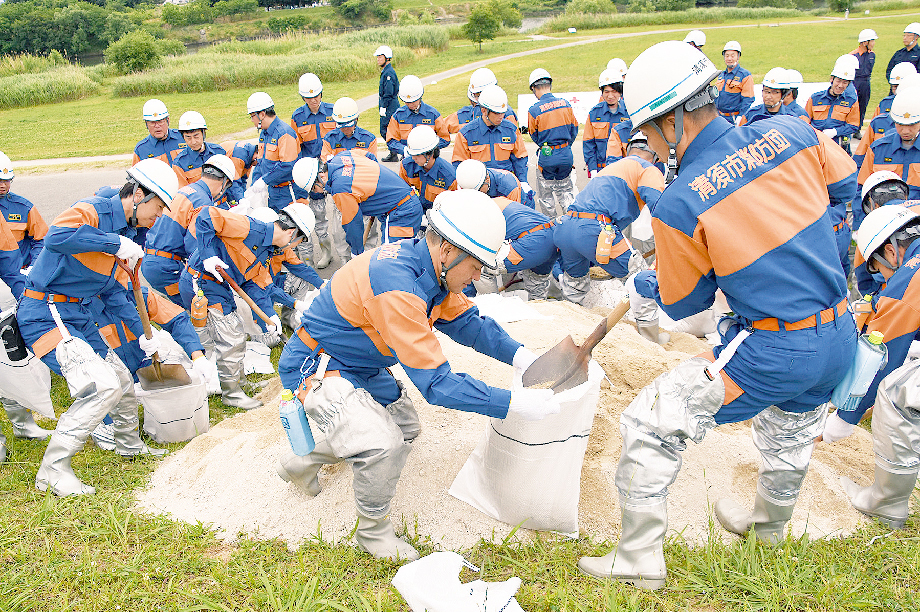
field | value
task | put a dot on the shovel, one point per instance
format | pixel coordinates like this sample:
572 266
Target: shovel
566 365
159 375
255 308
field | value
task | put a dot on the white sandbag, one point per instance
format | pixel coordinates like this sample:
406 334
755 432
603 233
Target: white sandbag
257 359
27 382
249 324
176 414
530 471
505 308
641 228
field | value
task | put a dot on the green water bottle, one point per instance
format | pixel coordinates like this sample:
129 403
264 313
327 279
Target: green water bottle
546 150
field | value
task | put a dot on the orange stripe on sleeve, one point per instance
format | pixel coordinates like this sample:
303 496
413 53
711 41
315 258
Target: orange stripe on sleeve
682 260
747 87
461 150
36 225
835 162
454 305
348 205
81 213
288 149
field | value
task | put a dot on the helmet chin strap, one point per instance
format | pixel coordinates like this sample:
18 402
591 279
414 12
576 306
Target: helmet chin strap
132 222
697 101
442 281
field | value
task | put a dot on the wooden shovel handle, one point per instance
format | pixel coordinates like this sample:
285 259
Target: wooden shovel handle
141 308
239 291
594 339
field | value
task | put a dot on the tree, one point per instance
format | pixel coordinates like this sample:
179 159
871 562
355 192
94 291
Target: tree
483 25
133 52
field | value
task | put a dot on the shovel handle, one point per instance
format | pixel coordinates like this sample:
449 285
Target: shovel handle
255 307
141 308
602 329
367 229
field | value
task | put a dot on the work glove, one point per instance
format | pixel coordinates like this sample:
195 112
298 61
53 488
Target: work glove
242 207
259 185
644 283
25 271
383 111
129 250
275 326
525 187
150 346
523 358
830 132
211 264
533 404
206 370
405 152
300 307
836 429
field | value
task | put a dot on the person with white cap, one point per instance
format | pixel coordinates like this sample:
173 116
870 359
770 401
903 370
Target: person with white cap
882 124
77 264
493 139
735 84
902 72
790 100
413 112
21 216
553 127
775 87
423 167
161 142
381 309
899 151
881 188
473 174
277 152
608 127
910 53
479 80
865 53
187 164
347 136
387 93
697 38
835 110
788 295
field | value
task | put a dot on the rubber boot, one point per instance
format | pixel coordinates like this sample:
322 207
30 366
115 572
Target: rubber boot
888 498
325 252
233 395
55 471
638 558
767 519
231 351
304 471
650 331
24 425
377 538
2 448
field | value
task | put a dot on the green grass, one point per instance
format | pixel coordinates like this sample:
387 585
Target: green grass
56 85
699 16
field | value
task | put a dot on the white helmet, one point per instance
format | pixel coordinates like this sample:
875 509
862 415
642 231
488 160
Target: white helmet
913 28
618 65
157 177
695 37
471 174
154 110
539 75
192 120
794 78
259 101
481 78
300 215
663 77
905 109
470 221
609 77
222 163
845 67
882 176
6 167
309 85
305 172
776 78
494 99
385 51
900 71
411 88
879 226
263 214
732 45
422 139
867 35
345 111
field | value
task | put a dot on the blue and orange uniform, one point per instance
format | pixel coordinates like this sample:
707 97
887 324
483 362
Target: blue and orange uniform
838 112
863 80
362 187
758 112
242 154
165 150
504 184
872 283
530 234
274 160
886 153
777 266
387 94
795 109
172 239
360 140
26 224
187 164
379 310
551 121
615 196
736 92
884 107
311 128
404 119
76 265
470 113
244 244
10 261
499 146
286 259
428 183
606 134
879 127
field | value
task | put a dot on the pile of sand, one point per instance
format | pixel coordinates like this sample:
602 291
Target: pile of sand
227 477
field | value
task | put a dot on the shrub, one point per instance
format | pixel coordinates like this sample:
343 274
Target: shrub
591 6
27 63
133 52
290 23
763 3
57 85
414 37
170 46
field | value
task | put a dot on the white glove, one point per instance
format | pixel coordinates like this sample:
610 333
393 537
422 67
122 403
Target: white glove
525 187
383 111
830 132
405 151
25 271
836 428
300 306
523 358
275 327
129 251
243 207
533 404
150 346
259 185
205 369
211 264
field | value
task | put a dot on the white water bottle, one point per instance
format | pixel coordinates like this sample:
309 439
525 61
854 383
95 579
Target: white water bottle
294 421
871 355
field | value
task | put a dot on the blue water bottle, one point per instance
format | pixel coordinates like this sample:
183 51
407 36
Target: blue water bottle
871 355
294 421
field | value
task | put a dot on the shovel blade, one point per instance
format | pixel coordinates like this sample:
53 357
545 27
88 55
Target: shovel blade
577 377
552 364
174 375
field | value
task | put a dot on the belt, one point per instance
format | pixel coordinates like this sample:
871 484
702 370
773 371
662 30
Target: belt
536 229
51 297
400 203
583 215
307 338
560 146
198 274
284 184
839 226
827 315
165 254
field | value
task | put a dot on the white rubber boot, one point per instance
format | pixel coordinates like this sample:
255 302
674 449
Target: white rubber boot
24 425
377 537
55 471
888 498
768 519
650 331
304 471
325 255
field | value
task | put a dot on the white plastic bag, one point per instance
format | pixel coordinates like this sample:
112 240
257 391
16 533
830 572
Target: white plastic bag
256 197
27 382
530 471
